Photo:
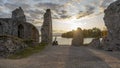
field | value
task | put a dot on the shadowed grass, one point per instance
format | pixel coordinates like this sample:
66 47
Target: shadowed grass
28 51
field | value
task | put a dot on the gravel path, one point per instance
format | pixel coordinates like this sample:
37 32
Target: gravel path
111 61
63 57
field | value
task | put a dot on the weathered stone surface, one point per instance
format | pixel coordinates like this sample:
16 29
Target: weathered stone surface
78 38
18 14
96 43
46 30
112 21
17 26
10 45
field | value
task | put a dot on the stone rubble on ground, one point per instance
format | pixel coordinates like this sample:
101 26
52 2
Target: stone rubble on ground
96 43
10 45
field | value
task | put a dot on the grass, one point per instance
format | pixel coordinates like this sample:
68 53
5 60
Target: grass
28 51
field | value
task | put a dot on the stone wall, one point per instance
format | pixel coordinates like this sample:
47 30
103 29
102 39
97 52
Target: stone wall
17 26
14 31
5 26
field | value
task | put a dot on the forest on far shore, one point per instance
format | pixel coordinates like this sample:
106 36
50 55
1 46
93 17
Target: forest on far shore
87 33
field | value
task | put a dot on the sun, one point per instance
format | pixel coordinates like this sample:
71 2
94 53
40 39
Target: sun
71 24
74 26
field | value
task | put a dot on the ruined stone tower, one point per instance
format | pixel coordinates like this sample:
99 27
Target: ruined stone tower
46 31
18 14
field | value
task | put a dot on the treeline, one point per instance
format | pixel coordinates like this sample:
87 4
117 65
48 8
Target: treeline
87 33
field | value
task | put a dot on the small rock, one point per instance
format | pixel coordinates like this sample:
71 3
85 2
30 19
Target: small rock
96 43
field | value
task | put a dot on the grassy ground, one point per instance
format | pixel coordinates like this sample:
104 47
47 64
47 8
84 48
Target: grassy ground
28 51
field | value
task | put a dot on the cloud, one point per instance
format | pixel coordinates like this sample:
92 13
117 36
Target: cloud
48 5
88 10
17 1
14 6
61 9
82 14
32 15
51 6
10 6
58 11
2 2
35 13
5 15
105 3
65 16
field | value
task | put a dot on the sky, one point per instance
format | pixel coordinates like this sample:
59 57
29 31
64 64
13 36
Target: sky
66 14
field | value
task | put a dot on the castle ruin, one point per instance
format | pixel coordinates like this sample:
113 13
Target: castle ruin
18 27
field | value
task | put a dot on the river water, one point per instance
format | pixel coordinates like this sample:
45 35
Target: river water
67 41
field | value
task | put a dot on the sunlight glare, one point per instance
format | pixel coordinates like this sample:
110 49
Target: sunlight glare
73 24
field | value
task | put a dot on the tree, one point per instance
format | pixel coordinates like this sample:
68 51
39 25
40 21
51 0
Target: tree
87 33
96 32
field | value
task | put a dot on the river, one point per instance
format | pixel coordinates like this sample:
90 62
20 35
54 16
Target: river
67 41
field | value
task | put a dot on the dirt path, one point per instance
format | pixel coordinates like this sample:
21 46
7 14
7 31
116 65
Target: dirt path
61 57
110 60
